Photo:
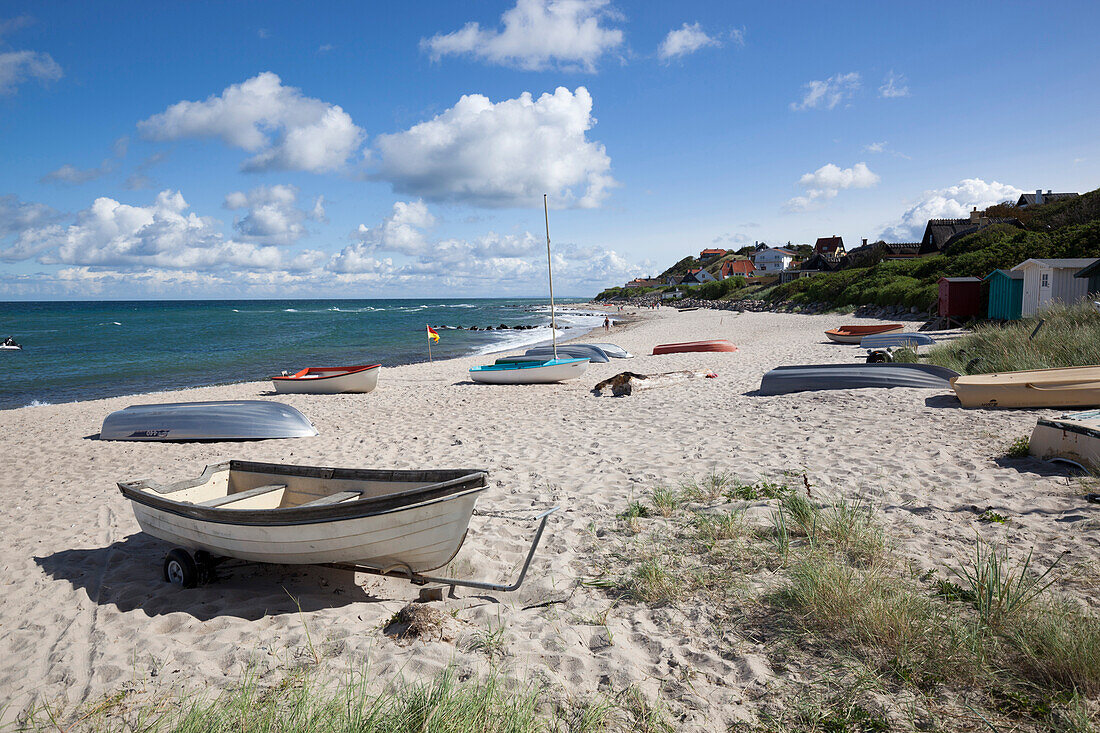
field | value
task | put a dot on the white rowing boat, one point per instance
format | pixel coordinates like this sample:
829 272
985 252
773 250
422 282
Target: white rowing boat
329 380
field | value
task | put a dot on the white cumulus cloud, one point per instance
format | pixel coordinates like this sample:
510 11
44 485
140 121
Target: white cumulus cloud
685 40
536 34
827 181
273 216
953 202
829 93
284 128
503 154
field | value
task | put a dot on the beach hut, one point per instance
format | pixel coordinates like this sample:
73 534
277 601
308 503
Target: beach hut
960 297
1006 293
1052 281
1092 274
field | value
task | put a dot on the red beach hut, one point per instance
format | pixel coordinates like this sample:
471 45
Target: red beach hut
960 297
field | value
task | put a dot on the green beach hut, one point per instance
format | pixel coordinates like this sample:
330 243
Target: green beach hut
1006 295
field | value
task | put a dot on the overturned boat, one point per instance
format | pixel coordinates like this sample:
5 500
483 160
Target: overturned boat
810 377
226 420
896 341
401 523
1072 438
614 351
855 334
539 371
592 352
329 380
690 346
1065 387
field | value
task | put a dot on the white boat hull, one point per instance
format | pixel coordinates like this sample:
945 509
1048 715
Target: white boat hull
544 374
355 382
422 538
1074 438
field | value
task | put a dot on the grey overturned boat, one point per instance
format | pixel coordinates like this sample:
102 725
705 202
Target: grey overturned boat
896 340
808 377
228 420
565 351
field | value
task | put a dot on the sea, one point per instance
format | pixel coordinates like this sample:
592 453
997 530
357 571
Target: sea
87 350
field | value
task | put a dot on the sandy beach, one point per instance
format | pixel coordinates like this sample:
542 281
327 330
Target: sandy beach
86 613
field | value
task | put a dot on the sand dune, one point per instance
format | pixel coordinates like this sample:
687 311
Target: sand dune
85 610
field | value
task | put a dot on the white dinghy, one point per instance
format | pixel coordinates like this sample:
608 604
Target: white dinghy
224 420
529 372
400 523
329 380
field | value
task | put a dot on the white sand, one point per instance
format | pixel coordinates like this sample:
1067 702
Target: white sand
85 611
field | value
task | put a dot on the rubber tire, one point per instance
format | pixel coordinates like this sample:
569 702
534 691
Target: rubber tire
180 569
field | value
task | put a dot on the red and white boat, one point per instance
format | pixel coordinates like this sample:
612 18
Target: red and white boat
711 345
329 380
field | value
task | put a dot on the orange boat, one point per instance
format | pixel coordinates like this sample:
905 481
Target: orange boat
854 334
712 345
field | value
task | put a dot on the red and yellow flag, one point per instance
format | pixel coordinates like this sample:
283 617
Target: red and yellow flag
432 334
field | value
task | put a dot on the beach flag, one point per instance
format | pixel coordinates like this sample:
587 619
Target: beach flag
432 334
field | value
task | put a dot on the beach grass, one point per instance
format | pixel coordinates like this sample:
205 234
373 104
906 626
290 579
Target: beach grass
1069 336
984 640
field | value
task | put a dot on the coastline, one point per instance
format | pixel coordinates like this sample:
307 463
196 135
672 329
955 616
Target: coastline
88 613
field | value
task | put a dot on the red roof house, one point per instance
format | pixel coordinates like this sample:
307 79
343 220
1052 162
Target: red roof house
744 268
706 254
833 245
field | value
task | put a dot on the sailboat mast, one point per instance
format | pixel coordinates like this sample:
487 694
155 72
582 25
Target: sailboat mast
550 274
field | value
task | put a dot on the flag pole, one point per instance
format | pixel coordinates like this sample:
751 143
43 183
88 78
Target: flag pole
550 275
429 346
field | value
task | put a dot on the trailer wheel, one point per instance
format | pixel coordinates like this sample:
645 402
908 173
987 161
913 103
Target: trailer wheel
180 569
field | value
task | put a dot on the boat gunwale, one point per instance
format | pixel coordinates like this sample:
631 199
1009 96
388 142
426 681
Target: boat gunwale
453 484
301 376
1069 426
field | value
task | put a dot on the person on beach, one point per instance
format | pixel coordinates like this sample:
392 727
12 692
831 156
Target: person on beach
607 323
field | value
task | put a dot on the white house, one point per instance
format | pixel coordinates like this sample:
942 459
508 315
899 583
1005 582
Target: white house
1051 281
773 260
698 275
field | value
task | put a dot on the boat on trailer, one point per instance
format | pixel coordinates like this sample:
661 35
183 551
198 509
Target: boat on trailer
224 420
541 371
855 334
1065 387
812 377
329 380
400 523
1072 438
690 346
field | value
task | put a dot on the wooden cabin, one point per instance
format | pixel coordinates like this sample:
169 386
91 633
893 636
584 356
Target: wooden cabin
1047 282
960 297
1006 294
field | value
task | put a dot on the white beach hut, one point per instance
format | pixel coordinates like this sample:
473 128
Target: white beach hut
1051 281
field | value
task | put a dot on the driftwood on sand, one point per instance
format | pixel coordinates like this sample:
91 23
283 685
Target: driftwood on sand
626 383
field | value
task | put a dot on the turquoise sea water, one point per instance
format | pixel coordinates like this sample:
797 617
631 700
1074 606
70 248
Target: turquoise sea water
84 350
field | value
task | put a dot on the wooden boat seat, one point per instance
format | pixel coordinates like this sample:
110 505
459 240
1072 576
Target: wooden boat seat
248 494
333 498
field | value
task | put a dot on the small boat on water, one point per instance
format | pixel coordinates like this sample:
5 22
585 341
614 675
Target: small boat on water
228 420
402 523
1065 387
811 377
9 344
572 351
855 334
1073 438
614 351
329 380
896 341
688 346
529 372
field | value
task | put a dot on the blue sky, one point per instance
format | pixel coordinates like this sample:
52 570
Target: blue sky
376 150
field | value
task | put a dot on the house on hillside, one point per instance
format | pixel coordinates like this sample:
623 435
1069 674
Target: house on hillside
734 268
1038 198
707 254
645 282
1047 282
1092 275
833 245
941 233
698 275
774 260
